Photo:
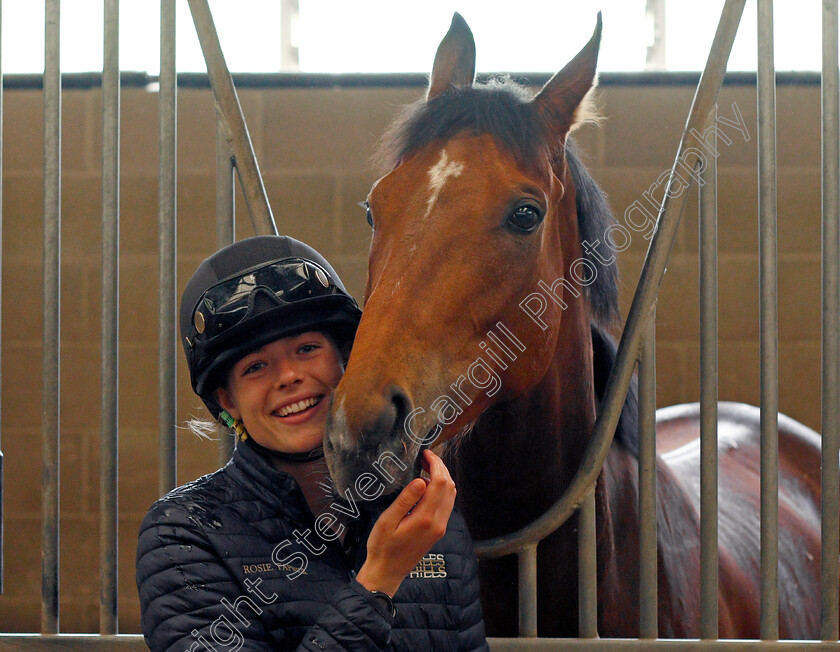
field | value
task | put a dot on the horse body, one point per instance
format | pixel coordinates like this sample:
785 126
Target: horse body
739 511
484 334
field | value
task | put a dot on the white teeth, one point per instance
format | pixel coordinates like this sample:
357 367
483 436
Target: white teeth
300 406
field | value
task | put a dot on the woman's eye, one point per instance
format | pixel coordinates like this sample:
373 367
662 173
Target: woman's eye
253 368
524 219
308 348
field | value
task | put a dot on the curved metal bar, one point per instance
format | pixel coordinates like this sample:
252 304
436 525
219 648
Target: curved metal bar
634 330
231 112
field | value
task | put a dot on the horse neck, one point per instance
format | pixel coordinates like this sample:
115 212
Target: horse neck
523 453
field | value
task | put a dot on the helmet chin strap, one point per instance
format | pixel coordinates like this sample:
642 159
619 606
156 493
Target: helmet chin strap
307 456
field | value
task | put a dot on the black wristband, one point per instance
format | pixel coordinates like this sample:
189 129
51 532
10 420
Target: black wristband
385 599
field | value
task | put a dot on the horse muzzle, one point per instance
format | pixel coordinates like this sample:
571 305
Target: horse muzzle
368 450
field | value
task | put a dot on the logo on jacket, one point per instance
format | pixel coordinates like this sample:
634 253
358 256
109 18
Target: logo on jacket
250 569
431 566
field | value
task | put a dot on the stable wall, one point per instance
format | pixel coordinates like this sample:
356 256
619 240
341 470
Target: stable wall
314 145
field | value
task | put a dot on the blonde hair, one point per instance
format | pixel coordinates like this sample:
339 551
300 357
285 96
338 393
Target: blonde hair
204 428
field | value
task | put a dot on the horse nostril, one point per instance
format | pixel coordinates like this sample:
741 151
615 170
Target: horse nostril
402 407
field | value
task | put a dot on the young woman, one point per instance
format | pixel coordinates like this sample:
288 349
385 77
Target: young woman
261 555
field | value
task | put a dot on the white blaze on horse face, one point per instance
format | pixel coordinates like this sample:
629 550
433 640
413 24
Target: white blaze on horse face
439 174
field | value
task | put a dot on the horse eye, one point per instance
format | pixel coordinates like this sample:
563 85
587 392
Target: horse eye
368 214
525 218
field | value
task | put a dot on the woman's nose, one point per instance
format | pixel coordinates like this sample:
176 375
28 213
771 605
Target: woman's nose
288 373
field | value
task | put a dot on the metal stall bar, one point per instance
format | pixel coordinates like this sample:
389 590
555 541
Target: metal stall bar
768 321
52 330
648 606
651 277
1 258
709 390
109 446
659 645
225 230
527 559
72 643
225 217
236 130
587 569
830 584
167 222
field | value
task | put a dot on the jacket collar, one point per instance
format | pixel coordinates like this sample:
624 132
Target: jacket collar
251 466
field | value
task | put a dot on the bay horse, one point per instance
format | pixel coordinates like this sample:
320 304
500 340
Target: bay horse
485 333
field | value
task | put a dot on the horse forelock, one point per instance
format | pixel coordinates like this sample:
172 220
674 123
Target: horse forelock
499 107
502 108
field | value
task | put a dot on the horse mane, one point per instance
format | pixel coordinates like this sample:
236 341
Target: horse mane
594 218
503 109
604 351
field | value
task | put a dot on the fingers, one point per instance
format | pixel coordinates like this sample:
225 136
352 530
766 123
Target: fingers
404 503
440 481
434 508
424 502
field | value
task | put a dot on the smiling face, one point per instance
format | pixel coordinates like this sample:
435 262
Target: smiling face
281 391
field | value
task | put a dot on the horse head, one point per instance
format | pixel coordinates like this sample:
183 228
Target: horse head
477 210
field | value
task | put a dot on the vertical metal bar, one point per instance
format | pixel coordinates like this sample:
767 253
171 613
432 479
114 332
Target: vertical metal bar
709 392
230 110
1 267
587 569
52 293
830 600
109 444
225 229
528 591
167 220
648 622
769 340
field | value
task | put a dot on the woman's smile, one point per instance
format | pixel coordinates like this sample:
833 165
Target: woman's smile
299 410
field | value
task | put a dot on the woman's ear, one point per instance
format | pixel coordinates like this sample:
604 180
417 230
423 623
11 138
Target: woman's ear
225 399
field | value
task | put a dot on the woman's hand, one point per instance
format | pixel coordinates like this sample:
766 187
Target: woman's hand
408 528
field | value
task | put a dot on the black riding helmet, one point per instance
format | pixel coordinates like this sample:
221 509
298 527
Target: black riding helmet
251 293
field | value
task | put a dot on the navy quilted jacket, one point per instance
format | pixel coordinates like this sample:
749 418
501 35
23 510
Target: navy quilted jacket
233 561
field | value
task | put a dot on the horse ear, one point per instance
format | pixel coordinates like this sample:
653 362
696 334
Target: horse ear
560 99
455 59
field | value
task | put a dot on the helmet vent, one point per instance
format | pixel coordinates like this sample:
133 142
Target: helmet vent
262 300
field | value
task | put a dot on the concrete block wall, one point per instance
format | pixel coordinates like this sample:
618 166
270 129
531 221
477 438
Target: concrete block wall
314 147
